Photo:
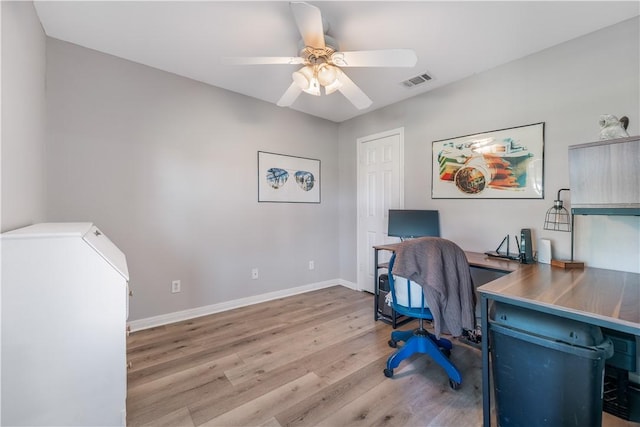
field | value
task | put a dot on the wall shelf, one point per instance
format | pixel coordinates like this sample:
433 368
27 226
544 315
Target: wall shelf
606 211
604 177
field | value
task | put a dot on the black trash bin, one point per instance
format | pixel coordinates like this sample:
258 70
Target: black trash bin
383 289
547 370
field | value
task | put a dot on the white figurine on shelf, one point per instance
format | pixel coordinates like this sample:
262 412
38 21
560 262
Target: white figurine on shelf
611 127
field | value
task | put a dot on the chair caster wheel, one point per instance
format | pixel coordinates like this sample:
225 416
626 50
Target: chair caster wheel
388 373
454 385
393 343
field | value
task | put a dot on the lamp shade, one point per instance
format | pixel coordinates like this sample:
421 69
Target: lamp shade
327 74
302 77
307 80
557 217
314 87
329 89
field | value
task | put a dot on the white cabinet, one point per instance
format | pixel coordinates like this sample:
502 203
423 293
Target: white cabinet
64 312
605 174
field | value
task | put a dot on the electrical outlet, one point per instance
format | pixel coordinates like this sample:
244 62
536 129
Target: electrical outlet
176 286
254 273
312 265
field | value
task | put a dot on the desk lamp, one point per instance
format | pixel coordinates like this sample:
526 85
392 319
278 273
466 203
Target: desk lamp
558 219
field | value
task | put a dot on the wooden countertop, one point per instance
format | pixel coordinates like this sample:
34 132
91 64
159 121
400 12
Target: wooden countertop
607 298
476 259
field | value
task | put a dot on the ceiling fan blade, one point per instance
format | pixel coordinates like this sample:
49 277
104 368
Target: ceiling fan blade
262 60
290 95
309 21
352 92
376 58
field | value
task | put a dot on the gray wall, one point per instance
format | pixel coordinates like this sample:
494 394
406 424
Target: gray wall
568 87
167 167
23 116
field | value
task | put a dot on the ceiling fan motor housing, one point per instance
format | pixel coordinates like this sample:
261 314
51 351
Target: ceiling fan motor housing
315 55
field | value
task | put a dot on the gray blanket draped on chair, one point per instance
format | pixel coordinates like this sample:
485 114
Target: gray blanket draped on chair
441 268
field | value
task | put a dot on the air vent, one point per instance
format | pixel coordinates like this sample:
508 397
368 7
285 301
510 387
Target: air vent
417 80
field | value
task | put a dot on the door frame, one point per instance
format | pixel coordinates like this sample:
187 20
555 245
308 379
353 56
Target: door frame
359 188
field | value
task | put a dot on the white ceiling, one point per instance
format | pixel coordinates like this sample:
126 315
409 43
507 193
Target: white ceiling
453 40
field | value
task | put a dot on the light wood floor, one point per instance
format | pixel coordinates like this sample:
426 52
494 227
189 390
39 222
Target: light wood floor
310 359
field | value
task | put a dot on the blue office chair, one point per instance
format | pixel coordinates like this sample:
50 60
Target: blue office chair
408 299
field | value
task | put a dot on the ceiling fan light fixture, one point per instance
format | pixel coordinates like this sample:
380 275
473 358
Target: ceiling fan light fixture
321 61
314 87
327 74
303 77
307 79
329 89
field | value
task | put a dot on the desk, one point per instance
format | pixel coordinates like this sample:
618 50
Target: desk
605 298
475 259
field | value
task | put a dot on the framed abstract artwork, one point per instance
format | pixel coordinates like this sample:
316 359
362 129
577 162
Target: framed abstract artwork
500 164
288 179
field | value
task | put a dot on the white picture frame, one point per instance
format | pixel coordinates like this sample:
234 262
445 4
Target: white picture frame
500 164
288 179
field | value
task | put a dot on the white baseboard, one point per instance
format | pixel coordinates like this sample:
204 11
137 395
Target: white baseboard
178 316
347 284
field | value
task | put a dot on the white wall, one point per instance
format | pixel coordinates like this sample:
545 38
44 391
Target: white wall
568 87
22 143
167 167
23 116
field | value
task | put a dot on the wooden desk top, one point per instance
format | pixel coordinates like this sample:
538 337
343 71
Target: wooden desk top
606 298
476 259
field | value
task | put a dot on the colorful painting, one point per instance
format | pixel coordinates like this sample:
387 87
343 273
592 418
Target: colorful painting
288 179
500 164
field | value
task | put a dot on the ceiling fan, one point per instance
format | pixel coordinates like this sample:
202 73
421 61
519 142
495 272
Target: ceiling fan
322 62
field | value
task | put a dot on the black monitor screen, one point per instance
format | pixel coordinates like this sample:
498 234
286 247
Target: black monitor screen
413 223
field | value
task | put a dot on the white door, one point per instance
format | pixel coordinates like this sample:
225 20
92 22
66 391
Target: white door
380 188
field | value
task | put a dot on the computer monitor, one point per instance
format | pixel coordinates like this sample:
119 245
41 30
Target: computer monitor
406 223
